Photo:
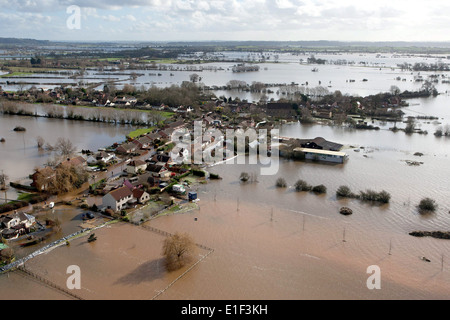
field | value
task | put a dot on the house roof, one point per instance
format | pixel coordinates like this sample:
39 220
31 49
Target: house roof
321 142
161 158
137 163
121 193
155 168
153 136
176 124
74 161
137 193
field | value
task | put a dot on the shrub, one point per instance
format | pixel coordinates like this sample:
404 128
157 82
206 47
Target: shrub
244 176
384 196
155 190
302 185
370 195
320 189
214 176
344 192
199 173
281 183
427 204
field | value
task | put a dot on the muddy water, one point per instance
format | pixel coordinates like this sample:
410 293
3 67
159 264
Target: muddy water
290 249
19 155
272 243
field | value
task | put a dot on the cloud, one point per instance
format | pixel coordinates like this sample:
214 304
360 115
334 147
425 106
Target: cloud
241 19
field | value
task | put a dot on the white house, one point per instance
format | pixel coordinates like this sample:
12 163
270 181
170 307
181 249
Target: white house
117 199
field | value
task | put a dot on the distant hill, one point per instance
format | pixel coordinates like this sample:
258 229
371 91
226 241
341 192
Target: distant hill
23 42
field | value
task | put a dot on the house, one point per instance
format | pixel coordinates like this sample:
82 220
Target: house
153 136
177 125
180 154
100 157
161 159
12 227
26 220
322 155
157 170
141 196
117 199
144 142
75 162
133 167
320 143
42 177
8 222
126 148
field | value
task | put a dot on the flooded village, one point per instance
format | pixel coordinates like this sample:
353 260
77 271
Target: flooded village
100 174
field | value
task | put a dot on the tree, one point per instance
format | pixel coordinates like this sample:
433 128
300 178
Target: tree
64 147
302 185
194 77
177 249
7 255
427 204
281 183
410 125
394 90
40 142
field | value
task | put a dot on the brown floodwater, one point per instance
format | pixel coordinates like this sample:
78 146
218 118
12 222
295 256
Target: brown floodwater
19 154
259 253
276 243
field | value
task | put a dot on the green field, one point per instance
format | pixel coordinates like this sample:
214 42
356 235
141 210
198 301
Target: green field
140 132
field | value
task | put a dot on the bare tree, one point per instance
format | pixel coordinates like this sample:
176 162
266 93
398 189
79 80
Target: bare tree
40 142
64 147
177 249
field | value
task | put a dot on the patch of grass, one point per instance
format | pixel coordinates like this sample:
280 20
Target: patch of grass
15 74
25 196
140 132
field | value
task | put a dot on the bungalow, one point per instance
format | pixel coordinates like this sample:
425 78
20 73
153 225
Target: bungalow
177 125
76 162
126 148
117 199
100 157
144 142
135 166
141 196
153 136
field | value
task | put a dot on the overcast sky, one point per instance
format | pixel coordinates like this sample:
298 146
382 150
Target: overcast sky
194 20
